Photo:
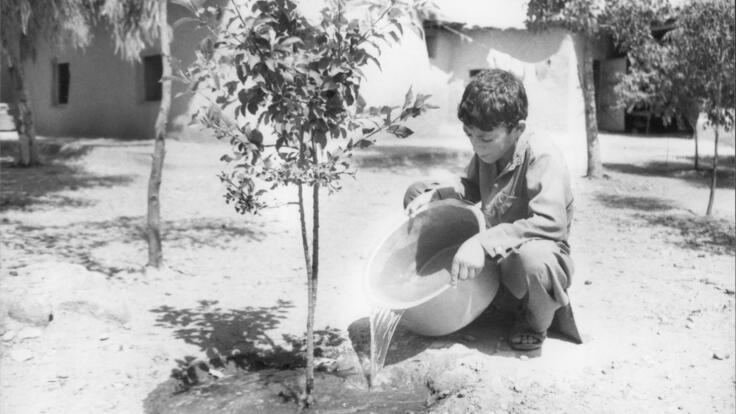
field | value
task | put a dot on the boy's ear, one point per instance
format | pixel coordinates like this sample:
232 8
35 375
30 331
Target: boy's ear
520 127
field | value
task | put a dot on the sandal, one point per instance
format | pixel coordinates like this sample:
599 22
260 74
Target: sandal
523 338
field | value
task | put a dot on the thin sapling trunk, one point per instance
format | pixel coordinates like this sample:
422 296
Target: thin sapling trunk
155 255
591 125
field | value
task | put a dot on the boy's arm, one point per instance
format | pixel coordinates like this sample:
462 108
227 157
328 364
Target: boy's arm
548 189
467 189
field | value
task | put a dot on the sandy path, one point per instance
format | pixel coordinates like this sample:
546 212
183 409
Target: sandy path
655 302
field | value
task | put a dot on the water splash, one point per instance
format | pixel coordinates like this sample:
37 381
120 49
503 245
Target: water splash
383 323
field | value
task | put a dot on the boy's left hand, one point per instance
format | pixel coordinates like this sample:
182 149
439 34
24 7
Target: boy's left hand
468 261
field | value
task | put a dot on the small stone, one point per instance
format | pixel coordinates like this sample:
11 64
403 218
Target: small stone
20 354
523 357
29 333
8 336
720 356
127 326
104 337
588 282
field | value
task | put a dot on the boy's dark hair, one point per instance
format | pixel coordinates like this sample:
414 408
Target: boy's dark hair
493 97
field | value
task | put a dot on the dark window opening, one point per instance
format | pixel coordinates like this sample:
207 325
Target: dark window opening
62 83
152 72
430 38
431 29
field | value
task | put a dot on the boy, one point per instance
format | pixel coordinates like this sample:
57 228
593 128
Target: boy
523 187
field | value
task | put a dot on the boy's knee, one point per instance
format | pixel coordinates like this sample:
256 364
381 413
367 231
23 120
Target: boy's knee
530 261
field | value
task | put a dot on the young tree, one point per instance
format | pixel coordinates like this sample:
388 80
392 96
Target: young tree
285 92
703 52
581 17
693 67
136 24
23 25
648 81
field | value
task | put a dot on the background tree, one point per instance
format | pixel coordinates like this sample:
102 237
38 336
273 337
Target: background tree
285 92
135 24
23 25
648 81
692 66
580 17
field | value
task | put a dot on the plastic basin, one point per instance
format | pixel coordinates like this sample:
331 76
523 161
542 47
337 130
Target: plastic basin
410 270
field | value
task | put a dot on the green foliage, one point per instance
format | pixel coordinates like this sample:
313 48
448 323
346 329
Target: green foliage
23 23
134 24
692 65
285 92
579 16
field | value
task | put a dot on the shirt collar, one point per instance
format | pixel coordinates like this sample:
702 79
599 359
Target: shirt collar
518 158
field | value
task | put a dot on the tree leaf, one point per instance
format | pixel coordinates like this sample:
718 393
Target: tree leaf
290 41
400 131
408 97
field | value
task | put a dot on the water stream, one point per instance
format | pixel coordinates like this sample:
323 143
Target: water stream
383 323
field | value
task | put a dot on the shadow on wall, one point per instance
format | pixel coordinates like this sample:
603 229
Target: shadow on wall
77 242
683 169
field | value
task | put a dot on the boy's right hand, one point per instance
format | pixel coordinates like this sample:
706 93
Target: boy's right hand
420 202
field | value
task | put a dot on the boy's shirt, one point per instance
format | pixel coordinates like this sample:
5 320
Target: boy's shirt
530 198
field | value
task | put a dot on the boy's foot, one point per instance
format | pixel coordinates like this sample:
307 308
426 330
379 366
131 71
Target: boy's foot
523 338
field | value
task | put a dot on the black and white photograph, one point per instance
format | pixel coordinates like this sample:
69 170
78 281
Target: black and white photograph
367 206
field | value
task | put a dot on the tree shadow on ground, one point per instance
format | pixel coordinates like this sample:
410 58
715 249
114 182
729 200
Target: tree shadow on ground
238 339
78 241
399 158
635 202
30 188
683 169
699 233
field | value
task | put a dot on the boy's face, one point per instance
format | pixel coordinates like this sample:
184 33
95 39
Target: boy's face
494 144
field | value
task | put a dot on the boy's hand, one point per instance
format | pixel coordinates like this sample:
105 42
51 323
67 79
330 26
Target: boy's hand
420 202
468 261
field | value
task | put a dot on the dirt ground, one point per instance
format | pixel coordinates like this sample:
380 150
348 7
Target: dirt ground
85 330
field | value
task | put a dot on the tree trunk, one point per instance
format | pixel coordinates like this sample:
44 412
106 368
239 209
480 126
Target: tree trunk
306 398
715 175
155 255
691 112
697 151
716 127
595 168
313 287
28 154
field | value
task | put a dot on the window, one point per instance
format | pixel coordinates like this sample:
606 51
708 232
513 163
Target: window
431 30
61 83
152 72
430 37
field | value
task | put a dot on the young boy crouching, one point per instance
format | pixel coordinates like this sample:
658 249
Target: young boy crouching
523 187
